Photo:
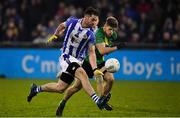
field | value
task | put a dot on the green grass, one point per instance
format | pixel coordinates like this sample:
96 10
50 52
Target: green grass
129 98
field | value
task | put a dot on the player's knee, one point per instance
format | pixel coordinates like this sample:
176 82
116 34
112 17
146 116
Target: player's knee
81 72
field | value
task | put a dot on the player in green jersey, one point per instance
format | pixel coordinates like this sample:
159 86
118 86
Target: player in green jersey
104 36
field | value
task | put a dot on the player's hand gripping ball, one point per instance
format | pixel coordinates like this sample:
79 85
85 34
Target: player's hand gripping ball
112 65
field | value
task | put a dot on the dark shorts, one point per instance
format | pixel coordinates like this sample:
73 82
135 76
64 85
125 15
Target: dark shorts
87 67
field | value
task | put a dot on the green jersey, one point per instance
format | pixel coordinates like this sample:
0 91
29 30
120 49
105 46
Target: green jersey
102 38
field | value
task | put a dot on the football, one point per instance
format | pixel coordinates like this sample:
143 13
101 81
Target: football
112 65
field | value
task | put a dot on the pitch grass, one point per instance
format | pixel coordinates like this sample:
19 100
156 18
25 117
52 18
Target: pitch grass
129 98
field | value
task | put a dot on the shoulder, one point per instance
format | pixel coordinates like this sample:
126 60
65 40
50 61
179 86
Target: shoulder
100 35
100 32
90 33
71 20
94 29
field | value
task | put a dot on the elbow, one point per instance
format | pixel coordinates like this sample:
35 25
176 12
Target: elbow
102 52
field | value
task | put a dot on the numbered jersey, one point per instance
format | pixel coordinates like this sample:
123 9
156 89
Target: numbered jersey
77 39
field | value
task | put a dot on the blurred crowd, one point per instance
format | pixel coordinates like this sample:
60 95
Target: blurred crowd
149 21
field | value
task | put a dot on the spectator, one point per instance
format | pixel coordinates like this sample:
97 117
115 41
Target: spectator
11 32
40 34
168 30
139 20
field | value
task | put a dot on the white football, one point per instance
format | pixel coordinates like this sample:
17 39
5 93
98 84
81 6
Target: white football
112 65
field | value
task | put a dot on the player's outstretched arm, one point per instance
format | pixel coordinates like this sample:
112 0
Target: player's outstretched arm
105 50
59 31
92 60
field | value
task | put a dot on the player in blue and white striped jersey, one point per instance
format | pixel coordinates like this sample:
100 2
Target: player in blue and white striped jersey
78 43
103 88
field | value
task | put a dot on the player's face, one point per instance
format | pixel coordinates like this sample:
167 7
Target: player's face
92 20
108 30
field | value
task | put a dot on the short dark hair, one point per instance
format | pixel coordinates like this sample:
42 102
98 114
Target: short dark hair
91 11
112 22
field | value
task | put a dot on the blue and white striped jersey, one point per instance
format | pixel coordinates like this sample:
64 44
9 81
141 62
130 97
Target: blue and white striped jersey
77 39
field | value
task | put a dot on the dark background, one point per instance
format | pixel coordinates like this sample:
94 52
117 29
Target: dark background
154 22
